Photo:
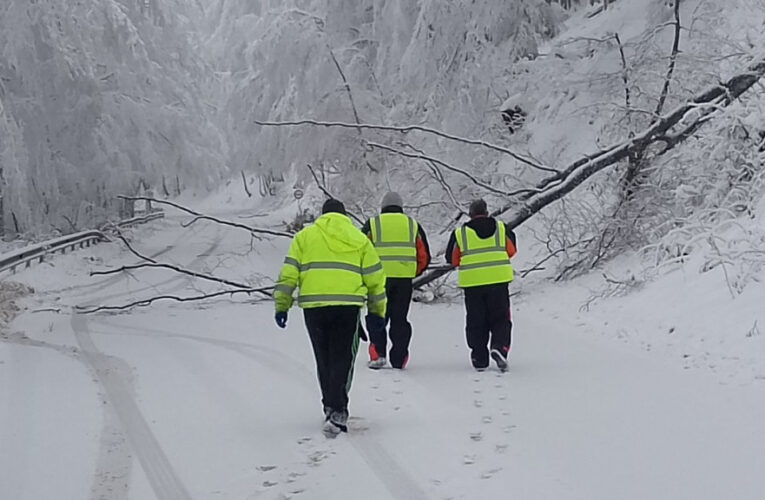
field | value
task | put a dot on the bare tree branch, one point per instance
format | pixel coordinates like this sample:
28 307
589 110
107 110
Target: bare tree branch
199 216
159 265
244 183
330 195
347 88
672 61
409 128
475 180
710 101
147 302
625 73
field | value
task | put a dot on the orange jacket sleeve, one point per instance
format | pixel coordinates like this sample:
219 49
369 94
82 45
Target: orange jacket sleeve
456 256
511 250
423 256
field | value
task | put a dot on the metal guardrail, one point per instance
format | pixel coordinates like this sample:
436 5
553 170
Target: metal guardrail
39 251
27 255
141 219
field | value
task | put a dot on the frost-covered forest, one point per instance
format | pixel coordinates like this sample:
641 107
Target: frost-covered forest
117 96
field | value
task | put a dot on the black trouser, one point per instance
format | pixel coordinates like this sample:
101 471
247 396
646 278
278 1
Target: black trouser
399 294
333 333
488 310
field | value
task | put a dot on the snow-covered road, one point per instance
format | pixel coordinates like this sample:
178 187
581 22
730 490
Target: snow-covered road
211 400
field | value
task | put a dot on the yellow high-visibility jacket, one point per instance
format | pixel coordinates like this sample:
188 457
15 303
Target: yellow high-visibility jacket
332 263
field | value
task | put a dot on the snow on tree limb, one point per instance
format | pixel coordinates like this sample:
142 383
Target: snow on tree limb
705 105
199 216
147 302
419 156
328 194
409 128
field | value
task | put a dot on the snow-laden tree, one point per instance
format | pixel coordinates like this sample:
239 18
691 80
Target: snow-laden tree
436 62
99 96
609 86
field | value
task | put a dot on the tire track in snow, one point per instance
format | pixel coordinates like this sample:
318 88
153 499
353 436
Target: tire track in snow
96 286
160 473
395 478
112 373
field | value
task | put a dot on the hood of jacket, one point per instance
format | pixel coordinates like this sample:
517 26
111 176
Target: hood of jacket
483 226
339 233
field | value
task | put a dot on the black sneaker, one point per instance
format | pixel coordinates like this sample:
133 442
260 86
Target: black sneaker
499 359
340 420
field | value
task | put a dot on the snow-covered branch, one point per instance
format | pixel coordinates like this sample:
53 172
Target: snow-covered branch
266 291
409 128
452 168
559 185
199 216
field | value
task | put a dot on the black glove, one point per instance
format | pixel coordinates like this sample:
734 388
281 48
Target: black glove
375 324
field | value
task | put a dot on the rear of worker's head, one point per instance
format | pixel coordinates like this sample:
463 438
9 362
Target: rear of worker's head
333 206
478 209
392 199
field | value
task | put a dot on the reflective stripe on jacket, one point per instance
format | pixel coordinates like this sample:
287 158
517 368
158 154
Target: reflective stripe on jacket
394 236
483 261
332 263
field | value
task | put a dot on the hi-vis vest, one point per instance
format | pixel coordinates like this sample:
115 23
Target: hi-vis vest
394 235
483 261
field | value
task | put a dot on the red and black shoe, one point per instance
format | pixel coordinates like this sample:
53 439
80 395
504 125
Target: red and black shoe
375 360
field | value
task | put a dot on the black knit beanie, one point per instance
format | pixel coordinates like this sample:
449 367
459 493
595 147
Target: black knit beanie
333 205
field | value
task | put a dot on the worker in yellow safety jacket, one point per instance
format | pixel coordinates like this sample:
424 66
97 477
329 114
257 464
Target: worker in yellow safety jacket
482 249
403 248
337 271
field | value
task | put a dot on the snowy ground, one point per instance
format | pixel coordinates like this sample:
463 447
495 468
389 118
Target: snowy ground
213 401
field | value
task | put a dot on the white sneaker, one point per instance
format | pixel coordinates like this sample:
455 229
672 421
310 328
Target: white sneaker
378 363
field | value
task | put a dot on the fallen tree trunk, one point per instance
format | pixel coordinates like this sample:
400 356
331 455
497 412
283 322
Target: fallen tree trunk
555 187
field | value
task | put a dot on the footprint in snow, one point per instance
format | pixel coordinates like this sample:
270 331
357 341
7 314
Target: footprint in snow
477 403
269 484
476 436
294 476
358 424
304 440
500 448
468 459
490 473
487 419
266 468
317 457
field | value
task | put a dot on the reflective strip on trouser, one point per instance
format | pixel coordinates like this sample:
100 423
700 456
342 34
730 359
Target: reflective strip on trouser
483 261
394 236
